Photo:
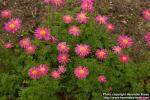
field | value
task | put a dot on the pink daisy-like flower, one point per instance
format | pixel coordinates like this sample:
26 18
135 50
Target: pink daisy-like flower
109 27
81 72
63 58
55 74
125 41
6 13
42 33
101 54
147 38
74 30
34 73
43 68
13 25
53 39
30 49
67 19
62 69
87 6
63 47
102 79
146 14
101 19
82 50
82 18
124 58
25 42
8 45
117 49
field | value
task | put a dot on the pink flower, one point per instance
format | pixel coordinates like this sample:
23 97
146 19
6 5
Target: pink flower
82 50
82 18
13 25
25 42
8 45
6 13
81 72
89 1
101 19
102 79
42 33
147 38
34 73
55 74
30 49
124 58
43 68
146 14
62 69
109 27
63 58
63 47
125 41
53 39
117 49
101 54
67 19
87 6
55 3
74 30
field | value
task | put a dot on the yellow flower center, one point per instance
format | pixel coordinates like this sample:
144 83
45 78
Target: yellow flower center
125 41
109 26
82 49
75 29
81 71
42 69
11 25
68 18
42 32
101 19
34 72
63 47
102 53
55 74
148 13
64 57
124 58
30 48
24 42
82 16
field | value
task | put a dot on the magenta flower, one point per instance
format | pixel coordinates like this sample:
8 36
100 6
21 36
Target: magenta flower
102 79
8 45
30 49
43 68
42 33
34 73
67 19
53 39
82 50
74 30
87 6
146 14
55 74
25 42
63 47
13 25
101 19
81 72
125 41
6 13
82 18
117 49
101 54
63 58
62 69
109 27
147 38
124 58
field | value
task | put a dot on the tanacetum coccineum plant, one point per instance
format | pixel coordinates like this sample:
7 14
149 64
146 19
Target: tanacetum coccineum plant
78 57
